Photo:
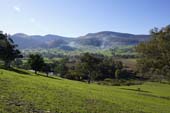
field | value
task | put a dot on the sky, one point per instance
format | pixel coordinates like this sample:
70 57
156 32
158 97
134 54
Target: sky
75 18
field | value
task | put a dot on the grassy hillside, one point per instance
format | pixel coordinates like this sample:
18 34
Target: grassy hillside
29 93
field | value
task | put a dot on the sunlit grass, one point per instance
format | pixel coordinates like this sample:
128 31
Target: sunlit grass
24 93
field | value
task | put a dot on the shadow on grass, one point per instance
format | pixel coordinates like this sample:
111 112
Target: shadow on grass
51 77
27 73
19 71
138 90
162 97
149 95
15 70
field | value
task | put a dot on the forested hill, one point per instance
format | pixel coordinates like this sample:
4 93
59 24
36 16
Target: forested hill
102 40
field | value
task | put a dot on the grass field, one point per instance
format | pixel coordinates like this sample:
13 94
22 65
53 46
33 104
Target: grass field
22 92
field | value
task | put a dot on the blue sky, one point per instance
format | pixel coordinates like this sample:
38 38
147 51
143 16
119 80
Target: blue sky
78 17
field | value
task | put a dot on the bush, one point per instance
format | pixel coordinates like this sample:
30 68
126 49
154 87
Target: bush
73 75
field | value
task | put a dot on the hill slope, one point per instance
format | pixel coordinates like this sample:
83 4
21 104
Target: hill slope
28 93
101 40
109 39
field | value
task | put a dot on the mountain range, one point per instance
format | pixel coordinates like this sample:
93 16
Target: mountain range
100 40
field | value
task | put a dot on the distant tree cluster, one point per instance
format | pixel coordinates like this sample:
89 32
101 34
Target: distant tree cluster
90 67
155 54
8 50
87 67
37 63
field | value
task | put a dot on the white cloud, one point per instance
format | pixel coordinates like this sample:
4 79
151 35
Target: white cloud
32 20
17 9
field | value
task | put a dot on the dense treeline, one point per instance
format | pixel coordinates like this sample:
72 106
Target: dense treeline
155 55
87 67
8 50
94 67
119 52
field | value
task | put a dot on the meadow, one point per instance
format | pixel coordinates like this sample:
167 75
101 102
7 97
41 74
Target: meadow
23 92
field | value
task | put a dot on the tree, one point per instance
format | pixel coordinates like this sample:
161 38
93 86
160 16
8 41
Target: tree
46 68
89 64
107 68
61 67
36 62
118 65
8 50
17 63
155 53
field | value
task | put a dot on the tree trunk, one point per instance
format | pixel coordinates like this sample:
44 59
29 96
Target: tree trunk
89 78
35 71
7 64
89 81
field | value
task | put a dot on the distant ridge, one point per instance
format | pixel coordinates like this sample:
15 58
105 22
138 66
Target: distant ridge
102 40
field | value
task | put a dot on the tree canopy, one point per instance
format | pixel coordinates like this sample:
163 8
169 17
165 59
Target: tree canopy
36 62
8 50
155 53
